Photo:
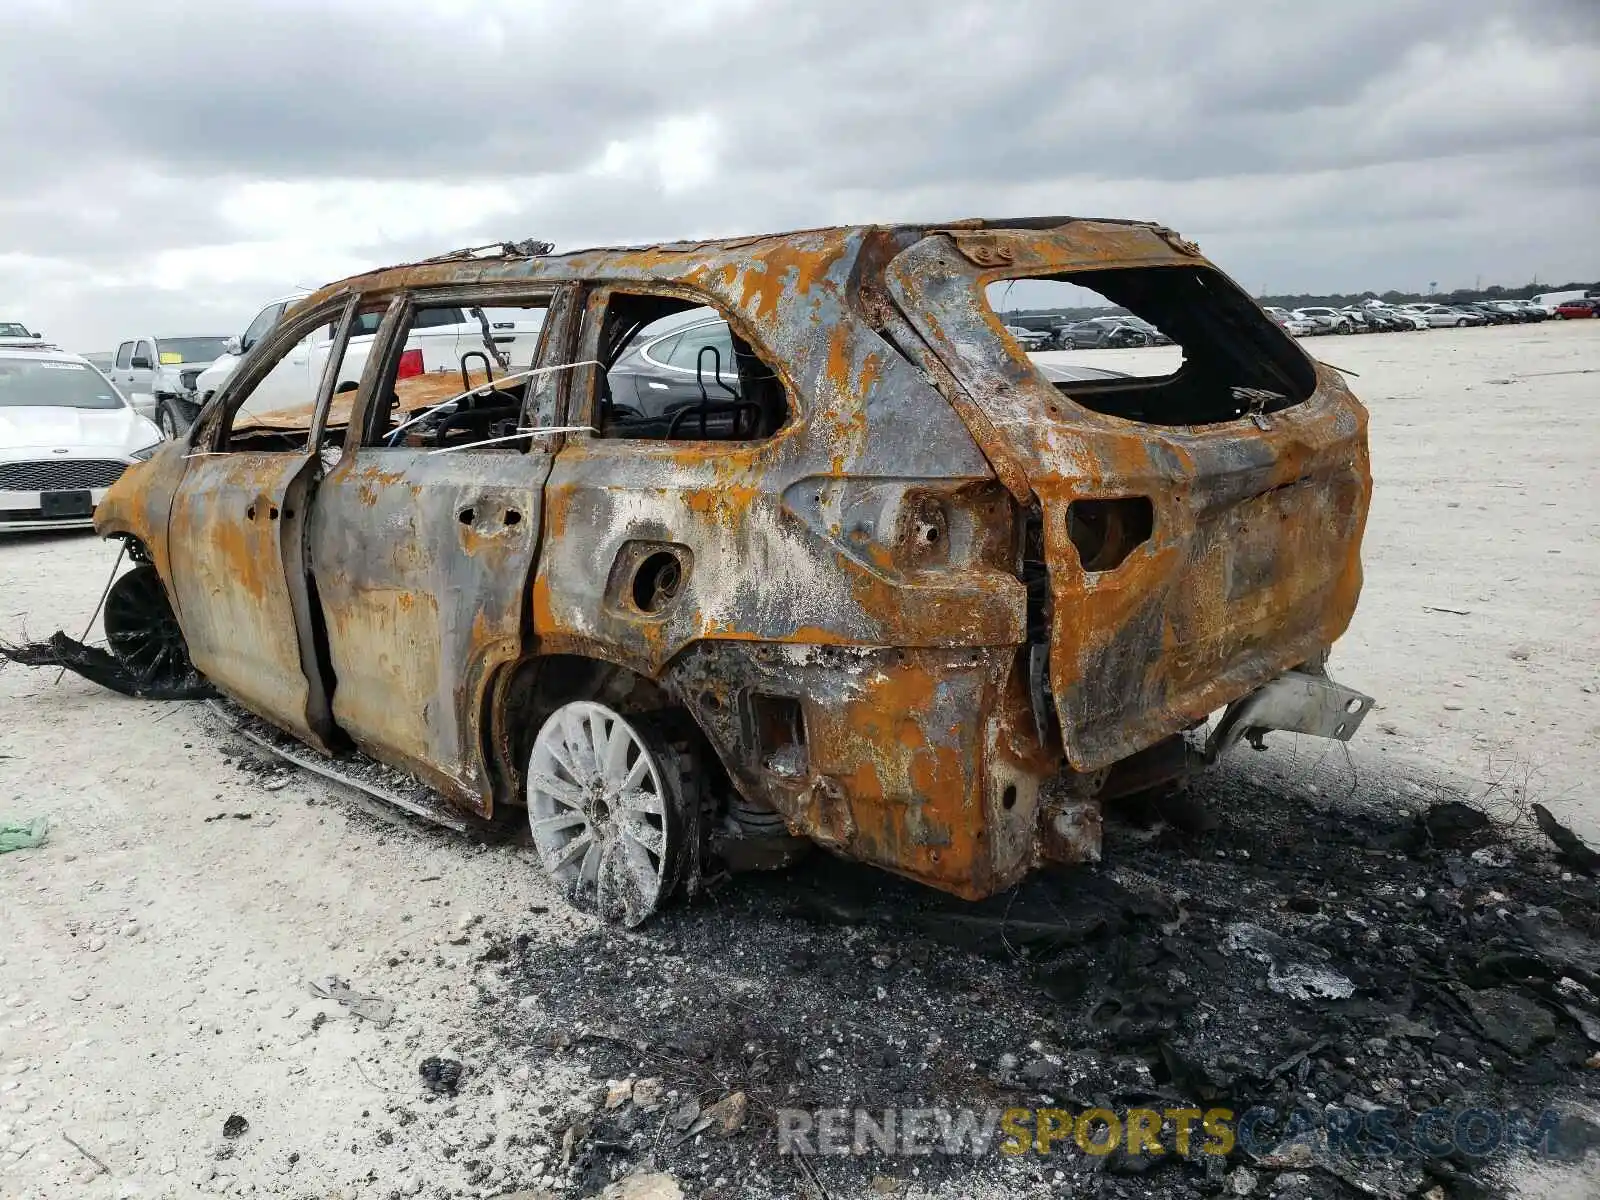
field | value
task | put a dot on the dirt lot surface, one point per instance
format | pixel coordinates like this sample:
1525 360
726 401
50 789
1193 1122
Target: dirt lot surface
159 948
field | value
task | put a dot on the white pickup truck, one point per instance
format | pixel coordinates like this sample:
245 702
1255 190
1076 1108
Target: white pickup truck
439 338
155 372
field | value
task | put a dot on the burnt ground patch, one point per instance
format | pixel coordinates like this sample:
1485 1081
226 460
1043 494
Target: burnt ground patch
1195 967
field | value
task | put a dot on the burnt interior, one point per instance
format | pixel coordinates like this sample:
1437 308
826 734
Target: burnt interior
1236 362
488 412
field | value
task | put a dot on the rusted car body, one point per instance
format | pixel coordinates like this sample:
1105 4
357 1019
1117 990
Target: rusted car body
924 607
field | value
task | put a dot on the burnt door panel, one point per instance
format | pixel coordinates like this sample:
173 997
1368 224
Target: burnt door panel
235 543
421 562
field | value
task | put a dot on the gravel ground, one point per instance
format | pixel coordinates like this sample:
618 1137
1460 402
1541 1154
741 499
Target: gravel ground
155 977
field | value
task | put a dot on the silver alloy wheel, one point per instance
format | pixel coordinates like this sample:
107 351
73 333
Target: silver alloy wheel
601 814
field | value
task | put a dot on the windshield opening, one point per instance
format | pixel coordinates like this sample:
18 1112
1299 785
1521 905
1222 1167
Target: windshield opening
41 383
1163 345
173 351
14 329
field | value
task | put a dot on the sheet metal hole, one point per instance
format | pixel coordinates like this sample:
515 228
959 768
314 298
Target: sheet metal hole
1008 798
1353 707
467 516
711 701
1105 532
272 512
250 513
656 582
780 729
513 517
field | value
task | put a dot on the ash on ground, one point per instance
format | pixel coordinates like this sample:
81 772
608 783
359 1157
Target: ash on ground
1310 960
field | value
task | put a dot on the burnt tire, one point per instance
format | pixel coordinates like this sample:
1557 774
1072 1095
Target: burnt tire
613 805
142 631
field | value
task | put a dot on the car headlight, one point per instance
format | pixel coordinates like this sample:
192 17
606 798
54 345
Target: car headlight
146 454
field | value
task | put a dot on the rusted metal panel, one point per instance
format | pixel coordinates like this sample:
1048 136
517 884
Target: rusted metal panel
234 550
1253 565
421 563
919 761
140 502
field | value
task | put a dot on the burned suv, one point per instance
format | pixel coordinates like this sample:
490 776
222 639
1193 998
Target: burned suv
874 580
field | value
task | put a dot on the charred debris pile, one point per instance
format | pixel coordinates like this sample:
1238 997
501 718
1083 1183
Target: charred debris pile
1244 948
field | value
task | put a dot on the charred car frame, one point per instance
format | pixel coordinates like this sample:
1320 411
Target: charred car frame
881 584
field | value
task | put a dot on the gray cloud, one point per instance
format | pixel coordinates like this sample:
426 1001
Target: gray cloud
174 165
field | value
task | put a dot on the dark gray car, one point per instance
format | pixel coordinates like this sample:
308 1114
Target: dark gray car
1101 332
680 372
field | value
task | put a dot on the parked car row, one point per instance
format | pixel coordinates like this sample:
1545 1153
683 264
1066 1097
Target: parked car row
1038 332
1384 318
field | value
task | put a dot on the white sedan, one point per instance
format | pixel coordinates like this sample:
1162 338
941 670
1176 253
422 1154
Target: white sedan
66 435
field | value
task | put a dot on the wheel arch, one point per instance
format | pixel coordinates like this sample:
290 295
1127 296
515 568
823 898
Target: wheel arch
524 693
118 531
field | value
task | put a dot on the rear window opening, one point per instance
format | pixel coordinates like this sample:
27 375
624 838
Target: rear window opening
1161 345
674 370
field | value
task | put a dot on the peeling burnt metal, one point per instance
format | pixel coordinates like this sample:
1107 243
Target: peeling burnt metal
925 620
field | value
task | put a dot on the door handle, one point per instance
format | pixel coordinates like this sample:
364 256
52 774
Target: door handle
660 387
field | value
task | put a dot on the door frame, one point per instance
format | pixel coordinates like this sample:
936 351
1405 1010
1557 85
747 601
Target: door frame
431 570
294 496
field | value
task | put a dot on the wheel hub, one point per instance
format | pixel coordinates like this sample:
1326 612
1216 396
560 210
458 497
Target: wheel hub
601 814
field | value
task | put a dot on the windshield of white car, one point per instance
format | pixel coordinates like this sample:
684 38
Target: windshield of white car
172 351
46 383
13 329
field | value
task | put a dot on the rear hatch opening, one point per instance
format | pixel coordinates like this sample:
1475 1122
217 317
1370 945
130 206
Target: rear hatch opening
1209 355
1197 488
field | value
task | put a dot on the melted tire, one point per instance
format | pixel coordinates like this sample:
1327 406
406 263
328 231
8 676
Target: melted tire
143 633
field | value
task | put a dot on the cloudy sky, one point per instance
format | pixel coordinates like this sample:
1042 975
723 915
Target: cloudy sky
171 166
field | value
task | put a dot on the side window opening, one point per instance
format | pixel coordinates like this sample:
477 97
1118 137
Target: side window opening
1162 345
274 410
676 370
125 355
461 378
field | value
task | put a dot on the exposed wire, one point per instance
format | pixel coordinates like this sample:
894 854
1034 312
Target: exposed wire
490 386
517 436
111 579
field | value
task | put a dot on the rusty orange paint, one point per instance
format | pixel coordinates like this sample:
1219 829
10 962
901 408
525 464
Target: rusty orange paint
783 269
